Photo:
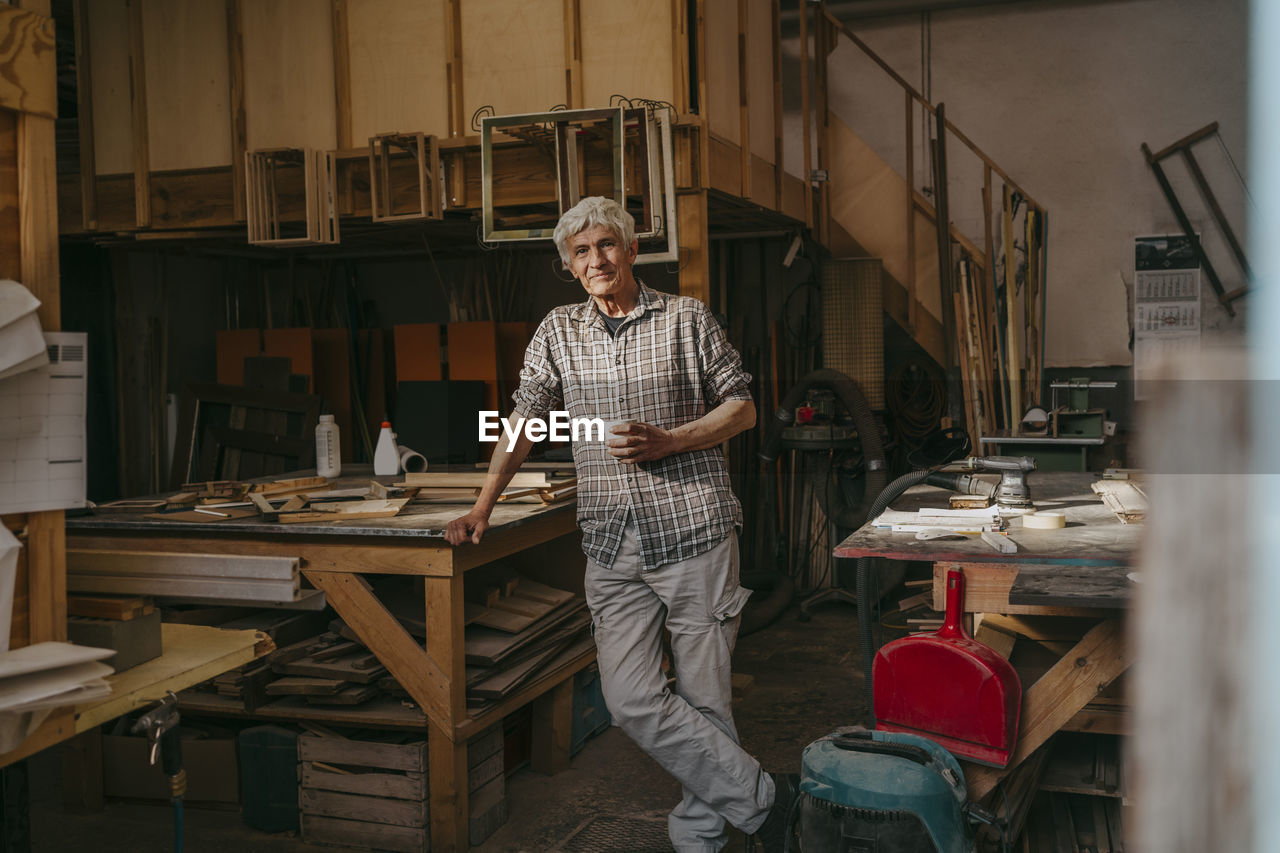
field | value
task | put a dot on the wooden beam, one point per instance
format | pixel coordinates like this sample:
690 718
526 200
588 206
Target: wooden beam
573 54
84 118
341 73
1059 694
27 75
138 101
806 114
38 216
453 69
695 264
680 54
350 595
776 37
446 749
239 121
47 573
744 115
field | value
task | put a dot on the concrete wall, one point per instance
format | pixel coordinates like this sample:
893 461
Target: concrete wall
1061 94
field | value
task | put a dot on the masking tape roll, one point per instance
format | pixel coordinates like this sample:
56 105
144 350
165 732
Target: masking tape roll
1044 520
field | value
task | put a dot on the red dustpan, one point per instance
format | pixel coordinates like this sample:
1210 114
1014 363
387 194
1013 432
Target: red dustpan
949 688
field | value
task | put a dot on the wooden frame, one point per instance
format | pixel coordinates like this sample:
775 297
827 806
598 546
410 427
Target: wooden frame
262 176
425 151
554 122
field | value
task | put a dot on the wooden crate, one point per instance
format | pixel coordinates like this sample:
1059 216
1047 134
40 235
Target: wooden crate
355 793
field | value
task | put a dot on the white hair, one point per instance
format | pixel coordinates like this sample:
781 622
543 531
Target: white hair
592 211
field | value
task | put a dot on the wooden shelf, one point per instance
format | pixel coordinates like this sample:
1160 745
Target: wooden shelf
192 654
380 713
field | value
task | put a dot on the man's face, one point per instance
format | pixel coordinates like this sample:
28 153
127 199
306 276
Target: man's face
599 260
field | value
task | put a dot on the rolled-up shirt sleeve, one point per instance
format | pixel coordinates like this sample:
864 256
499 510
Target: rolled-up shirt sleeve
540 391
722 375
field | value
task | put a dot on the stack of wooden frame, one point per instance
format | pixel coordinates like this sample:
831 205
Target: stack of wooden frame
266 170
390 150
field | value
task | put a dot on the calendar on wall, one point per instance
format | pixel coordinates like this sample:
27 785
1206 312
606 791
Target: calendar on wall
42 430
1166 303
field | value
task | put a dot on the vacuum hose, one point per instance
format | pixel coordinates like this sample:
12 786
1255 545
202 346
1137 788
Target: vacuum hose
962 483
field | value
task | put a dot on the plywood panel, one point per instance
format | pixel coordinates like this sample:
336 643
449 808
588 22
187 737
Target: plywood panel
112 112
760 85
398 76
187 85
723 111
512 56
26 62
626 50
288 62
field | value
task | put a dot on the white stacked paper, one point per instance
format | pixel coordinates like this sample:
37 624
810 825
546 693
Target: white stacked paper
36 679
955 520
21 343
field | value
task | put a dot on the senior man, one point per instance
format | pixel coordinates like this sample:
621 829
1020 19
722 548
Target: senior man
659 520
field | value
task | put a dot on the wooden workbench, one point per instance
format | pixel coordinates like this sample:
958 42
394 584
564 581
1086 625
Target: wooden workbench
334 558
1082 570
192 654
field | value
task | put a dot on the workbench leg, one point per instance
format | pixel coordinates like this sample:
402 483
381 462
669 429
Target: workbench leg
553 729
447 759
82 773
447 787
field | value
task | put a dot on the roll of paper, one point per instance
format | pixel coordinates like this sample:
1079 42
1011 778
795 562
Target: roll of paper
411 461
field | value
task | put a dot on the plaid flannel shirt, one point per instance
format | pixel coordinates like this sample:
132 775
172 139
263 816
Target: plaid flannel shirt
669 364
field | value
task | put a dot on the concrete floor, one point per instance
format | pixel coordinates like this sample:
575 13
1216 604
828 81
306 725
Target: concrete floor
807 681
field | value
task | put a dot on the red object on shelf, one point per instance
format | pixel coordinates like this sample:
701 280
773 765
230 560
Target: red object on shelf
950 688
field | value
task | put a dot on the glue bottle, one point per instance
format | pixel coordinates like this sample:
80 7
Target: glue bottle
328 450
385 459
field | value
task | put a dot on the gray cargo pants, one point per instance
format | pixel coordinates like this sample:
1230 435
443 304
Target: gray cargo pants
690 733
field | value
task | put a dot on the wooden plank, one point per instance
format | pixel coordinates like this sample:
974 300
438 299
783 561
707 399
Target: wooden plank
109 56
180 564
398 67
529 37
356 807
340 12
1102 587
356 833
84 117
453 68
744 119
237 124
447 787
138 112
422 677
407 757
289 84
38 217
721 71
341 555
188 85
986 590
122 608
552 729
1099 657
626 50
409 786
47 576
573 54
27 74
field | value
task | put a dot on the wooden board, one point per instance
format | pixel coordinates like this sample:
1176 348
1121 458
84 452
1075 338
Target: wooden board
380 810
317 829
188 116
488 647
417 347
145 563
109 58
407 786
122 608
475 480
1102 587
987 587
397 67
1125 498
289 85
722 108
27 78
512 56
407 757
760 91
626 49
473 354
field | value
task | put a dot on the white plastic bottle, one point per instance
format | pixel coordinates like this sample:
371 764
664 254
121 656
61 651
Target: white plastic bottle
328 449
385 459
